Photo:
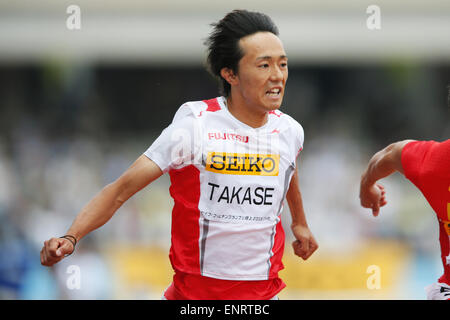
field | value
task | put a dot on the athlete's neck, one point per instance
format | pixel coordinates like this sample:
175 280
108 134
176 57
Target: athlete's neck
245 114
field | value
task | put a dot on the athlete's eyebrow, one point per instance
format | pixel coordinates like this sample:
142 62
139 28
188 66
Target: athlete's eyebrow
270 57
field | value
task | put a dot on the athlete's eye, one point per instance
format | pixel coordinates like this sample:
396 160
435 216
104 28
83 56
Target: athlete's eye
264 66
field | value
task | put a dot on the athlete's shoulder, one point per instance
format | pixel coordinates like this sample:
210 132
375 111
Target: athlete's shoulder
444 145
294 123
287 127
286 122
439 157
417 150
199 108
426 157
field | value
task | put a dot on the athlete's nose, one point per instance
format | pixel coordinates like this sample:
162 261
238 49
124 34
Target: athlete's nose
277 74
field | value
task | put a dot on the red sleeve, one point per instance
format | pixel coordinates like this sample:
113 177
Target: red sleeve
413 156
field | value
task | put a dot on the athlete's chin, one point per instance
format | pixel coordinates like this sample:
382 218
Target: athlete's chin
273 104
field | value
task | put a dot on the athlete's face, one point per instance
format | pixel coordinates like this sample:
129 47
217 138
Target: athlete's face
263 71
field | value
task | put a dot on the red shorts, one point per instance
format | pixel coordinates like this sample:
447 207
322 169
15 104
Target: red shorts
196 287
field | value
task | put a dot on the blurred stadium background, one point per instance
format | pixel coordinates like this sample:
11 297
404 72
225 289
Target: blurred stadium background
77 107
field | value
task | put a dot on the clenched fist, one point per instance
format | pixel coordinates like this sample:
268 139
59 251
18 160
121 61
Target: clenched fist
55 250
306 244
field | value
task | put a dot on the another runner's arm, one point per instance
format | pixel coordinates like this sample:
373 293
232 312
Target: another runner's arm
305 243
382 164
102 207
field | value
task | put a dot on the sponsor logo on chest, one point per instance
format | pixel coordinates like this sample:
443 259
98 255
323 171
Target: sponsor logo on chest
243 163
227 136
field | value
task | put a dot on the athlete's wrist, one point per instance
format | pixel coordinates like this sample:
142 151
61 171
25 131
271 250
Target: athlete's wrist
297 224
366 182
76 235
72 240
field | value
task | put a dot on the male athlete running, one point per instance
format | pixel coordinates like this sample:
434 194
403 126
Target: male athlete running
427 165
232 162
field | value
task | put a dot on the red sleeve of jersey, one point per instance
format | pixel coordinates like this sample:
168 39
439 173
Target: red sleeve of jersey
413 155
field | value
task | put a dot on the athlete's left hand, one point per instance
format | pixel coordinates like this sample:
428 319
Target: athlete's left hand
305 245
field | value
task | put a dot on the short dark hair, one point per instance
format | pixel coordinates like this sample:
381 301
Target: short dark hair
223 42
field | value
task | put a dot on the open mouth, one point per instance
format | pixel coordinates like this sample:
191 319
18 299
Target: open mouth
275 92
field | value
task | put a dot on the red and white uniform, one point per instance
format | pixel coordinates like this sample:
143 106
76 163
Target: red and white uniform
228 182
427 165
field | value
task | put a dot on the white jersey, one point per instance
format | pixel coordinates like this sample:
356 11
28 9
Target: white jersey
438 291
228 182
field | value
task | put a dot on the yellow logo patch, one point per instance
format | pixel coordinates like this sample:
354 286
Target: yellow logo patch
243 163
448 208
447 226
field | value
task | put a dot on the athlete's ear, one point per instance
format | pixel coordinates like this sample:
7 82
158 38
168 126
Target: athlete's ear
229 76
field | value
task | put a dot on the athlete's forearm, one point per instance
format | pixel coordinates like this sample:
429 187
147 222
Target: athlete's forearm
97 212
378 168
305 243
103 206
384 163
295 202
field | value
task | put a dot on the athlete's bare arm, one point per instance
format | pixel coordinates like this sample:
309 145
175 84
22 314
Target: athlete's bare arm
382 164
305 245
102 207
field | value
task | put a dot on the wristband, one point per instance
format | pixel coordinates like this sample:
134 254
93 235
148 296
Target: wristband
74 242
